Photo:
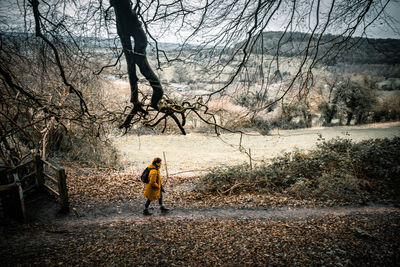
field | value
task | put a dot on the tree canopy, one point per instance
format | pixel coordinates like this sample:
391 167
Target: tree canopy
50 67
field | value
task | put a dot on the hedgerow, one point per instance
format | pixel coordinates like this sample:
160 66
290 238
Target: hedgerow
336 169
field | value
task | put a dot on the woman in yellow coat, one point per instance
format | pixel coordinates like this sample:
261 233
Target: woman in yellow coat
154 189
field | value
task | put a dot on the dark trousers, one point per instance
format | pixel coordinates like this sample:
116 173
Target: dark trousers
160 201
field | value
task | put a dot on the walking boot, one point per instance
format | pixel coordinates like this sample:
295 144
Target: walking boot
147 212
164 209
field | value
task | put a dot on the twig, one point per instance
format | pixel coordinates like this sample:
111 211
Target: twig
237 185
76 213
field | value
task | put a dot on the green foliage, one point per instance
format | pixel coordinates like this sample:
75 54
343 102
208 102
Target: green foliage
388 109
357 98
337 169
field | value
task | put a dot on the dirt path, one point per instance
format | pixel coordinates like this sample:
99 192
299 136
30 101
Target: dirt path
278 214
117 234
132 211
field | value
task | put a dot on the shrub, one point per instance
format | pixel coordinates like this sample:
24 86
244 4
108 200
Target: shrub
337 169
346 188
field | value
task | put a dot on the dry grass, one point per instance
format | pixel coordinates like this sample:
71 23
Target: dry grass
196 152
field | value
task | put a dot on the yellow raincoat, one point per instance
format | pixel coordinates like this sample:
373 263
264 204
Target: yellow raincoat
152 189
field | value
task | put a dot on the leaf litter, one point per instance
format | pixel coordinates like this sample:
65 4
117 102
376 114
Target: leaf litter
330 239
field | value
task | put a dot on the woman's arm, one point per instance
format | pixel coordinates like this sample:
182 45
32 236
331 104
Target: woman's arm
153 181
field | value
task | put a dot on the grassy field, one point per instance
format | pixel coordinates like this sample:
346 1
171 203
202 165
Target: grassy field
196 152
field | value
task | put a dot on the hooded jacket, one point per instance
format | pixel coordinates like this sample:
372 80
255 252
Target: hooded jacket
152 189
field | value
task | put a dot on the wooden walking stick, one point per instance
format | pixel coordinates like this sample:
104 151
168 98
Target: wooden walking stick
166 167
251 163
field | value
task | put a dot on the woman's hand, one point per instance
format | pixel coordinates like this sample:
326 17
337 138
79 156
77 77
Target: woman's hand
154 186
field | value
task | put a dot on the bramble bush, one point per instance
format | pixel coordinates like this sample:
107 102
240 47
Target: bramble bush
338 169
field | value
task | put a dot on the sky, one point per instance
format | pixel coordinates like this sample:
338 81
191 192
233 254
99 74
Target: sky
377 30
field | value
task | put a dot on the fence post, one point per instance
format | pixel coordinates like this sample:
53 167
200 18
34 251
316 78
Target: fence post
20 194
38 163
62 187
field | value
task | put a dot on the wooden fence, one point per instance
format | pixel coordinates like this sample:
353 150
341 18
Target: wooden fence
26 179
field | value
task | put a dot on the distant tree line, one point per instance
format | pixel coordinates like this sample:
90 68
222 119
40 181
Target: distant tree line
334 99
360 50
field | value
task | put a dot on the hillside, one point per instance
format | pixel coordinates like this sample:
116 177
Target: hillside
359 50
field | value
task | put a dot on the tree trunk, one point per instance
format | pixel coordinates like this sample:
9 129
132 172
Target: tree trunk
331 114
128 25
349 117
360 118
333 110
307 118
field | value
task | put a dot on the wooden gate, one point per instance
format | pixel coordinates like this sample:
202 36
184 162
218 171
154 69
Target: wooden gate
28 178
